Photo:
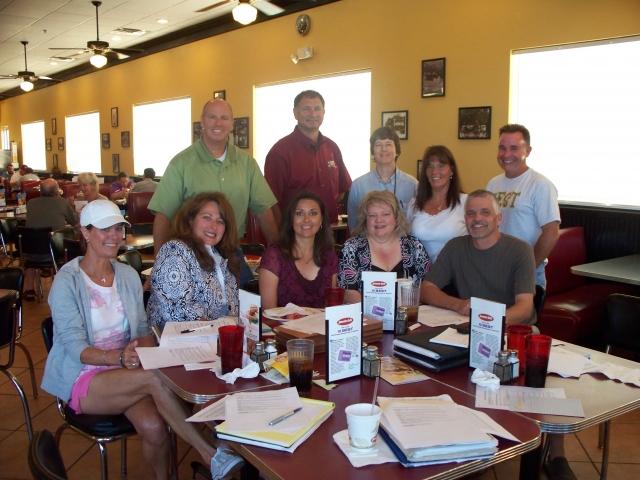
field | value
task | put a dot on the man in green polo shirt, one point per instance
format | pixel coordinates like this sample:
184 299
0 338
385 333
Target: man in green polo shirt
212 164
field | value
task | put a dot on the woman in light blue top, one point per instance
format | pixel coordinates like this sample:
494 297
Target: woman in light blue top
436 214
98 321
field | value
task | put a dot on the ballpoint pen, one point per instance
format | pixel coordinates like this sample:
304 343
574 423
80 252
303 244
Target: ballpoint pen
284 417
196 329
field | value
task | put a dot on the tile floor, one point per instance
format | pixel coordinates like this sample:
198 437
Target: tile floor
82 459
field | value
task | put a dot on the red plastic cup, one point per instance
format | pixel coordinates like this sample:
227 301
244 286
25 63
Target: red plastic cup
333 296
537 350
515 341
231 340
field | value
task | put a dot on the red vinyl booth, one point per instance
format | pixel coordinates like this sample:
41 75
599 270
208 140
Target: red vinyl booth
137 207
574 307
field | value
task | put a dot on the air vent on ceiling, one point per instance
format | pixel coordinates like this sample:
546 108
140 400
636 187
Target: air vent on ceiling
132 32
61 59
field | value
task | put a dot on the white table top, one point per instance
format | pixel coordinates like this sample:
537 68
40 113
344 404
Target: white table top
622 269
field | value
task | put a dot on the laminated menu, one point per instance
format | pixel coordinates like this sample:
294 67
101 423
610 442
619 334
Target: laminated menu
249 318
379 297
486 332
343 341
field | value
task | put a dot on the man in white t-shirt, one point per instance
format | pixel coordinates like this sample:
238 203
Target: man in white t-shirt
530 211
529 200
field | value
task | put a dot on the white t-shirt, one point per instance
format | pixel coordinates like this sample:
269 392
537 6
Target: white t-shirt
528 202
434 231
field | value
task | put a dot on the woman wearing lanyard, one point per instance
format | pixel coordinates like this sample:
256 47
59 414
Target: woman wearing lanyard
195 275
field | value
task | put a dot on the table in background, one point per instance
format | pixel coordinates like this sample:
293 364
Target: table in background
339 230
622 269
136 242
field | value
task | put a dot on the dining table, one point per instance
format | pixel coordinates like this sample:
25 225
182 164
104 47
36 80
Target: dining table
622 269
202 386
136 242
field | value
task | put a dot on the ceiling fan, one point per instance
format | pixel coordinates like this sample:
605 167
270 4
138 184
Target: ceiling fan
100 49
26 76
245 11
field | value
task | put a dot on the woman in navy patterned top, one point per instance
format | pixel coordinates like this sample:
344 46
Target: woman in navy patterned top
382 243
195 275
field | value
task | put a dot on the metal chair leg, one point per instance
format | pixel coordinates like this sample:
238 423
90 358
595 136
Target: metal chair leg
601 435
173 454
103 461
32 373
123 457
39 290
605 449
25 403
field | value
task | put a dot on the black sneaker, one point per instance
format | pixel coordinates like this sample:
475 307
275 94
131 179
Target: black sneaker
559 469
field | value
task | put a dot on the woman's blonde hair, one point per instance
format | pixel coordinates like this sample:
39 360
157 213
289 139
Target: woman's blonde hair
88 178
385 197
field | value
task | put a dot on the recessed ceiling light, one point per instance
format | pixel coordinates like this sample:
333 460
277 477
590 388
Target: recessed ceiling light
116 38
53 63
162 20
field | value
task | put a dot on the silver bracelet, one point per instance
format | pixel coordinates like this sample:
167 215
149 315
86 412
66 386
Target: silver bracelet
121 363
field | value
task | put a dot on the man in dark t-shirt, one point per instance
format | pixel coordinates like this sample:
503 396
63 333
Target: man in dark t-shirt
485 264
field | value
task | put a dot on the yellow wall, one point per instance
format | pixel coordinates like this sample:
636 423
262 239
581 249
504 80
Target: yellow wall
391 37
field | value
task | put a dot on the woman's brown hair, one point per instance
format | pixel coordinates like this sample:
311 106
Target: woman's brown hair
323 240
181 229
425 192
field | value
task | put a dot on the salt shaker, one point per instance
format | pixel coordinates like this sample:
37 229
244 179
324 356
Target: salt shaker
515 363
502 368
258 355
371 363
271 349
400 325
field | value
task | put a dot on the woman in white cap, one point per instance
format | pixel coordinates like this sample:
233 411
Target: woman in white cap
98 321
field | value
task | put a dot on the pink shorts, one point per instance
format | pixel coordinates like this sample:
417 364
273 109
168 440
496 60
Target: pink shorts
80 388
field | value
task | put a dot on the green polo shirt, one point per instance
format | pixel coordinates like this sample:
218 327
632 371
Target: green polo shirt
195 170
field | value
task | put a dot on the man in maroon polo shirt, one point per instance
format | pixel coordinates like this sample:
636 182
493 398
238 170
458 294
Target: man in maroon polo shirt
306 159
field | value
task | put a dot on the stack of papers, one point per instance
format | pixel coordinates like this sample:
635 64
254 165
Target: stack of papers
437 317
248 416
195 346
425 431
418 348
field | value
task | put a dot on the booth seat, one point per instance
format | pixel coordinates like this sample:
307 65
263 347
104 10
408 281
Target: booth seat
574 307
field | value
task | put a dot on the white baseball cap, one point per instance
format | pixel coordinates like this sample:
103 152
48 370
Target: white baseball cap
101 214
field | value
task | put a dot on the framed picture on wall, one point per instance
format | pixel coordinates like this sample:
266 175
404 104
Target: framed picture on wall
197 131
114 117
55 159
115 160
106 140
125 139
241 132
399 121
474 123
433 74
221 94
48 144
60 143
54 127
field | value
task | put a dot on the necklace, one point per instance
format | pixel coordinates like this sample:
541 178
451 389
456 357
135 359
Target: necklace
440 207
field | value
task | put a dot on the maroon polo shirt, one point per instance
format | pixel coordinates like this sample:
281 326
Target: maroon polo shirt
296 163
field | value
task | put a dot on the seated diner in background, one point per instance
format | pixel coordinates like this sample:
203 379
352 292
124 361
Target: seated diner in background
303 262
195 275
98 321
485 264
121 187
436 213
89 189
382 243
147 184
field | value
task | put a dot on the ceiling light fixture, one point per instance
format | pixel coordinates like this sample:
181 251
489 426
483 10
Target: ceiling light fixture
244 13
26 85
98 60
115 38
162 20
